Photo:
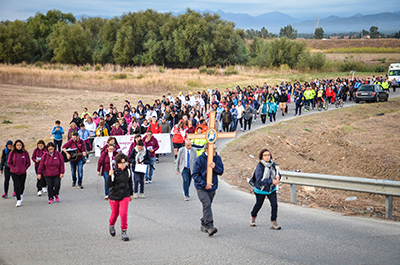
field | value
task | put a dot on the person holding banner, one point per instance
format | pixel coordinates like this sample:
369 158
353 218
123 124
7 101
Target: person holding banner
139 159
104 165
151 144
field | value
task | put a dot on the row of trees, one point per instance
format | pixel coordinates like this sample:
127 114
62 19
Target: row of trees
141 38
146 38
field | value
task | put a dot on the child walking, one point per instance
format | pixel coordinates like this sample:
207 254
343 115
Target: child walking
121 193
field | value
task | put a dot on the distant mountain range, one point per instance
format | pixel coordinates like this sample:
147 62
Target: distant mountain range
387 22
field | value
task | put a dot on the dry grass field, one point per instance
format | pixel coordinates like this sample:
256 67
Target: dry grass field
352 43
353 141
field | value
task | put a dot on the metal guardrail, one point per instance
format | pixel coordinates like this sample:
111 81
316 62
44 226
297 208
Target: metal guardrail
388 188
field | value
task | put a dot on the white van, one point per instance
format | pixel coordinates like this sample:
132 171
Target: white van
394 75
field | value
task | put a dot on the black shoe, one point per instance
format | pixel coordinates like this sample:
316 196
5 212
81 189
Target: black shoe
112 230
124 236
73 184
80 186
212 231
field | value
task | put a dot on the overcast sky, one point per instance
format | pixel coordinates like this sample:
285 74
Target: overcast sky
307 9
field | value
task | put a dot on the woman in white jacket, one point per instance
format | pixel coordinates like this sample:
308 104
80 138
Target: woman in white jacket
240 110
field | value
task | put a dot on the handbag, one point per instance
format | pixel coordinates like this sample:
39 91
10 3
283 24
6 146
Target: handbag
252 181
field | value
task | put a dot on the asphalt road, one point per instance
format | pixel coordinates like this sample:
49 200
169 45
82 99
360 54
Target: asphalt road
165 229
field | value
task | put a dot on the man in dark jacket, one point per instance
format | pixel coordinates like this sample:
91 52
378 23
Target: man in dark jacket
283 98
206 192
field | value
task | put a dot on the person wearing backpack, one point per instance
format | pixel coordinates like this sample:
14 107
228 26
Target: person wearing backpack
4 167
266 179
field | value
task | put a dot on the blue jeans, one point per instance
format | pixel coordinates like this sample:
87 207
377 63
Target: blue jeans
187 179
235 121
78 163
106 189
149 173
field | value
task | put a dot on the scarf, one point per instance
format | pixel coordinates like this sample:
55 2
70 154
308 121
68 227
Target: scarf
140 155
269 170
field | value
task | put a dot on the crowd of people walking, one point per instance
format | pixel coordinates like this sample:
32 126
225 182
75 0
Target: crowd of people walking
235 109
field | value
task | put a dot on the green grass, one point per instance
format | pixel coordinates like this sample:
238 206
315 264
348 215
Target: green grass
363 50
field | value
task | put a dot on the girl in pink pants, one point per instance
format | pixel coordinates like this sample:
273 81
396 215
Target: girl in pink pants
121 193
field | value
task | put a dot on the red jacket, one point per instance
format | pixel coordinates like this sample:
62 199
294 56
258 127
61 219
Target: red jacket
19 162
155 128
37 153
153 143
177 138
80 144
115 131
51 165
104 162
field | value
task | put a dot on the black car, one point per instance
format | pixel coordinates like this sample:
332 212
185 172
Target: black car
371 93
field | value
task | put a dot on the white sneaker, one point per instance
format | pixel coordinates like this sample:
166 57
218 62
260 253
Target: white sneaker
150 181
142 195
18 203
44 190
175 161
87 160
39 193
22 197
105 197
135 196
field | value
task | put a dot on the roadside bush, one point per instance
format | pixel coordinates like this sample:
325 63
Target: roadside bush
380 69
230 70
120 76
203 70
211 71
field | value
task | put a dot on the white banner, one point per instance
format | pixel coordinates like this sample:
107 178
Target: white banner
164 141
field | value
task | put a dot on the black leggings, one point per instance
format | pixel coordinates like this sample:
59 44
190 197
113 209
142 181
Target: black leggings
241 122
260 198
58 144
19 184
40 183
247 122
7 176
54 185
225 126
263 118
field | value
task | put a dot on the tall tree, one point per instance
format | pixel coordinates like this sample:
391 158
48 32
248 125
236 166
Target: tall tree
288 32
42 26
319 33
71 44
16 42
374 33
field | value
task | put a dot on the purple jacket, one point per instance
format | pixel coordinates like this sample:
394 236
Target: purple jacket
19 162
153 143
51 166
37 153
